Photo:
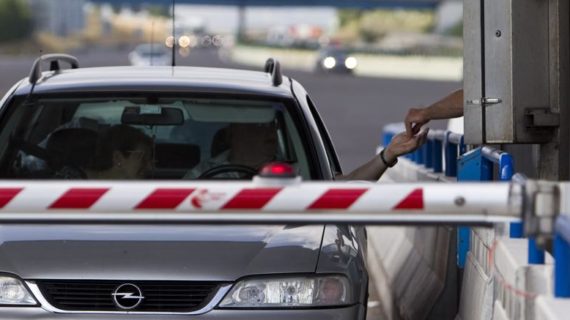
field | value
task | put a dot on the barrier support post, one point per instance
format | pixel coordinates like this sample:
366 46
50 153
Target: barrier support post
428 154
437 155
450 156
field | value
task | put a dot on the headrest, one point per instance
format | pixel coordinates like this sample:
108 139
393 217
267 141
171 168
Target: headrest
73 146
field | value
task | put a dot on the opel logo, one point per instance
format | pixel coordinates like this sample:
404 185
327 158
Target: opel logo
127 296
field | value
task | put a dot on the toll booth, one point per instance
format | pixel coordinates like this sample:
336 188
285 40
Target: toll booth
516 78
516 99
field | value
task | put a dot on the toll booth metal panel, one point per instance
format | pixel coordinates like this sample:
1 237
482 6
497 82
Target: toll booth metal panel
506 70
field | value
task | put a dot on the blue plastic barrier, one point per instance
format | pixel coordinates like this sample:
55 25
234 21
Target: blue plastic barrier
562 257
505 173
433 150
475 165
472 167
454 146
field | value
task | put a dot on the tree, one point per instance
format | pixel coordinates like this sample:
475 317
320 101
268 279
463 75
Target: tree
158 11
15 20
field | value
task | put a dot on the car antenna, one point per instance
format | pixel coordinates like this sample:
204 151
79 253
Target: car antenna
152 43
173 33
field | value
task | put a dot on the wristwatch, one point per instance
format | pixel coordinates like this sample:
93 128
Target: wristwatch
389 165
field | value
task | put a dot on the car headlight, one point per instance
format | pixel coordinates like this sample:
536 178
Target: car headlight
329 62
13 292
350 63
289 292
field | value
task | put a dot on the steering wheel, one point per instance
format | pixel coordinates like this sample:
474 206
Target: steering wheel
248 172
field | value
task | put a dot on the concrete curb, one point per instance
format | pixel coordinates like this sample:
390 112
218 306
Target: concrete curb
385 66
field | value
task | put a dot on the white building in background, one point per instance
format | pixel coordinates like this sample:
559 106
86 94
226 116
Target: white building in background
449 13
60 17
225 19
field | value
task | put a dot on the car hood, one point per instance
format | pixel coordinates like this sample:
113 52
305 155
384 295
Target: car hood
214 253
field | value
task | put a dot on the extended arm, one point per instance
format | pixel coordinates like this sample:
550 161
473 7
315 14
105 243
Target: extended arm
450 106
375 167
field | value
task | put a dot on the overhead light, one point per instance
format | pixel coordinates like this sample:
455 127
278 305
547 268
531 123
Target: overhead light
184 41
169 42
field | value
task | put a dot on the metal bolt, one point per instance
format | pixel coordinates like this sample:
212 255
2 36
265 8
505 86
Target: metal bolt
498 33
459 201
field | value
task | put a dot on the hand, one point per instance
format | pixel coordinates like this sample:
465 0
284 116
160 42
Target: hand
415 119
402 143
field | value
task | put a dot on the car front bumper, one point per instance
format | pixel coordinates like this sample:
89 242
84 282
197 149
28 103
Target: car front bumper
355 312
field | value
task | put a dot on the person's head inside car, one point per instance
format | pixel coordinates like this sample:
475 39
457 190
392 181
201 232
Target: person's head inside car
123 152
252 144
246 148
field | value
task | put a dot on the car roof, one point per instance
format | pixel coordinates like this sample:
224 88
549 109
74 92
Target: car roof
159 79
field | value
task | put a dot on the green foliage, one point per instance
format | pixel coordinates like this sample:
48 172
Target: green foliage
348 16
158 11
15 20
372 25
456 30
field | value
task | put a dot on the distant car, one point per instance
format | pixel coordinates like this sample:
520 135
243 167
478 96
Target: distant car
335 60
150 55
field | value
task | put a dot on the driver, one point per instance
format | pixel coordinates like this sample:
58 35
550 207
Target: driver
252 146
255 144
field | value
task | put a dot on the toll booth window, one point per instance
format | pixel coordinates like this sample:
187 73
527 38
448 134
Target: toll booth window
142 138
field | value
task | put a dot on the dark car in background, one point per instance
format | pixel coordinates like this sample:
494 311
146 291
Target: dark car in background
150 54
336 60
51 122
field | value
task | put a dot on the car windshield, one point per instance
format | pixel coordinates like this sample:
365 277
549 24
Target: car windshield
334 52
147 138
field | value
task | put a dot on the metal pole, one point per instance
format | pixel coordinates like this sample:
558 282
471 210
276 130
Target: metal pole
241 20
173 33
405 218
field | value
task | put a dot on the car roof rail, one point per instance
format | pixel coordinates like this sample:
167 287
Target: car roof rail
273 67
53 59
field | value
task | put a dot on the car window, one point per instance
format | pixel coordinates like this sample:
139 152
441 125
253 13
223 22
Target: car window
147 138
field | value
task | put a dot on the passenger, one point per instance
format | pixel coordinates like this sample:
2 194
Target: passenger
123 152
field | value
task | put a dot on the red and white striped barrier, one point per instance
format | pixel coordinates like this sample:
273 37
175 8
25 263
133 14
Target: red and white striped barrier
489 202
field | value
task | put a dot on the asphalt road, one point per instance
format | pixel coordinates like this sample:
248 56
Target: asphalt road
354 108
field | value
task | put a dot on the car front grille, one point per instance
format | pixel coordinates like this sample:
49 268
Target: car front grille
163 296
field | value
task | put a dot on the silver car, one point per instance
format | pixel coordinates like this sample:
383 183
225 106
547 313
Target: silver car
192 116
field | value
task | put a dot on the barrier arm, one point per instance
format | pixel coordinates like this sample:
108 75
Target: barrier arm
270 201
